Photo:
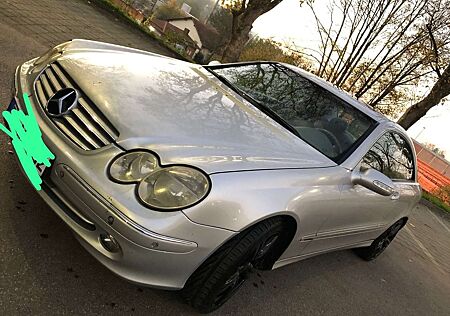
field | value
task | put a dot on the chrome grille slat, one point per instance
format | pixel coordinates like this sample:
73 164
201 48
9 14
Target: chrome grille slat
40 93
71 135
86 126
61 76
113 135
83 119
79 129
53 79
47 88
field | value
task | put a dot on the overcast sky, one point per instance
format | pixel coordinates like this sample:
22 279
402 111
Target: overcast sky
289 21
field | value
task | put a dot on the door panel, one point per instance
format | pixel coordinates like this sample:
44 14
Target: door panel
409 194
361 214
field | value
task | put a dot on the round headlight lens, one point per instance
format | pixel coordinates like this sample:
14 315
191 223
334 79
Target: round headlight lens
133 167
173 188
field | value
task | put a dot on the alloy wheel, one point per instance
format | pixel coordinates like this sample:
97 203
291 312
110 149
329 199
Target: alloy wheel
238 278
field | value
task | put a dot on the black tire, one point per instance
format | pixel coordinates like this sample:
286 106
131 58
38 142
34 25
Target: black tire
381 243
222 274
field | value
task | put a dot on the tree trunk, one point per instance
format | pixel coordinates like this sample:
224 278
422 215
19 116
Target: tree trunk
440 90
236 45
242 25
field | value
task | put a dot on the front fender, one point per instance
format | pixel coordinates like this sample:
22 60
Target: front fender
240 199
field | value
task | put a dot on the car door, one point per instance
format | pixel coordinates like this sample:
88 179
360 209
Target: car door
399 164
361 214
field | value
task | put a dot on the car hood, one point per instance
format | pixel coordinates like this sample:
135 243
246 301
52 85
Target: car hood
182 112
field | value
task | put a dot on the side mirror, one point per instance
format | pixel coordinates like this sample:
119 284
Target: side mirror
374 180
214 63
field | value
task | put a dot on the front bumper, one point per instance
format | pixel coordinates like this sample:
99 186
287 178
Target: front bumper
156 248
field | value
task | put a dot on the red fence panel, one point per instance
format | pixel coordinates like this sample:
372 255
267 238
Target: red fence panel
429 178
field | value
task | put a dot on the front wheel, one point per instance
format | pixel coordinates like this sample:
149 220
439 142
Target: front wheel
221 275
381 243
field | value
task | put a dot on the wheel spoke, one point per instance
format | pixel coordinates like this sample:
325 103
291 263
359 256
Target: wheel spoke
233 283
265 246
228 291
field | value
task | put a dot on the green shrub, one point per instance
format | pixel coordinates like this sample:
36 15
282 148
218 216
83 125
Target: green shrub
443 194
436 201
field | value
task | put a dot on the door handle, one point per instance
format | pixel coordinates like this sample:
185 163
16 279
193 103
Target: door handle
395 195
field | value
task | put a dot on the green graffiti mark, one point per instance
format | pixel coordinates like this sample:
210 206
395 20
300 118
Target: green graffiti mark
27 141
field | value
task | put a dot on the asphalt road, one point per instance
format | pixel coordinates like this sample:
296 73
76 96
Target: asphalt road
44 271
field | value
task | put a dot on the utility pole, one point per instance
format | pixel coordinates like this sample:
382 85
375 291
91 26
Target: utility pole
417 137
212 11
423 129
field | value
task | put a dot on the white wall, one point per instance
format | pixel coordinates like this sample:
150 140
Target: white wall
188 24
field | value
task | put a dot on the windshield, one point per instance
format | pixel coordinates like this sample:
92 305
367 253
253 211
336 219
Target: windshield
316 115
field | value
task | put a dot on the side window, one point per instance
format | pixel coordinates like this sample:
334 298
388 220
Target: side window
392 156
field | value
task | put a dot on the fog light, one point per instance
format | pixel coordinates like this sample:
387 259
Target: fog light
109 243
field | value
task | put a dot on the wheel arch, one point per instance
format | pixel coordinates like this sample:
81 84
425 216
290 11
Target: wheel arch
291 224
404 219
223 260
272 256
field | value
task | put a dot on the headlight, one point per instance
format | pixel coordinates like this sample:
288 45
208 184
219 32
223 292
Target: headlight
133 167
160 187
173 188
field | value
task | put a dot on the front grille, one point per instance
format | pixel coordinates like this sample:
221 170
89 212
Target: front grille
85 125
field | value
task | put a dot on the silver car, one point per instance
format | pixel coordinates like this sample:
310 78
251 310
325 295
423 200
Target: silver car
181 176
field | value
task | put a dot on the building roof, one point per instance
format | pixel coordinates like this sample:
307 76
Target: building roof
158 24
208 34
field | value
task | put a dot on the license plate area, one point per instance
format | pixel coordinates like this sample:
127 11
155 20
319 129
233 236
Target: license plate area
40 167
12 105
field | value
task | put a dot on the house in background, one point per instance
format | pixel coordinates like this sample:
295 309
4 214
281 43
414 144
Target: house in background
204 36
179 38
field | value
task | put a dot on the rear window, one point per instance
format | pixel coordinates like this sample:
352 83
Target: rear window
316 115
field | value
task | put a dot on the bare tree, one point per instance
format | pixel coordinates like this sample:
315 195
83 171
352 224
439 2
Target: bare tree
440 60
379 49
440 90
258 49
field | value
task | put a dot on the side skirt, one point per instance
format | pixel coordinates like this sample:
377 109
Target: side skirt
286 261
